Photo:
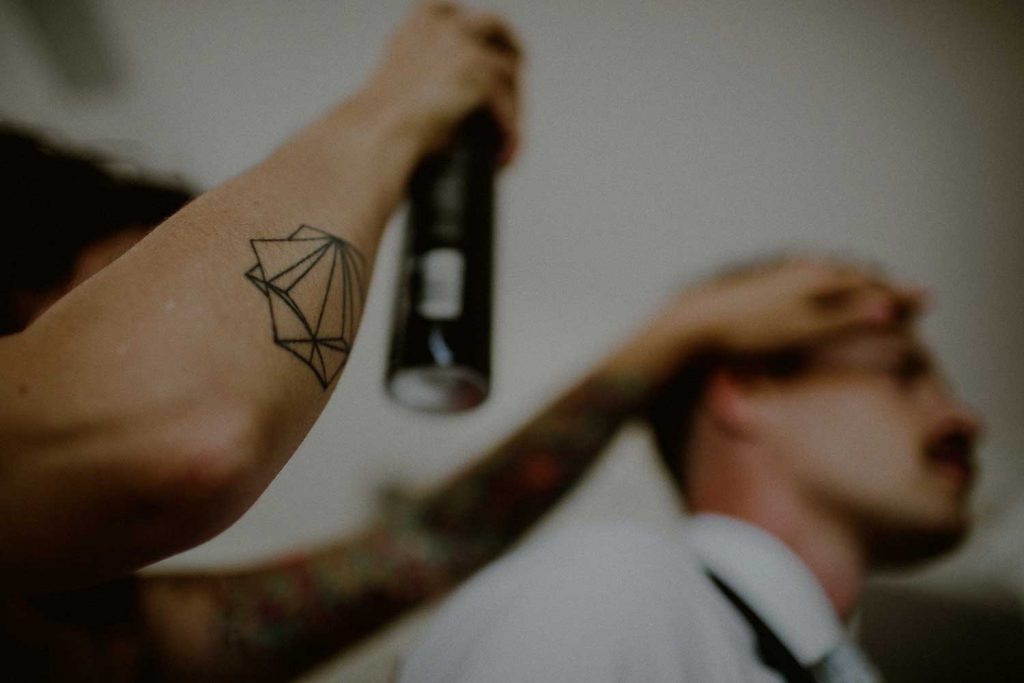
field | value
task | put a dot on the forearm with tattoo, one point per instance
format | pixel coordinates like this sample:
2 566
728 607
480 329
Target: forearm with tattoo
314 283
494 501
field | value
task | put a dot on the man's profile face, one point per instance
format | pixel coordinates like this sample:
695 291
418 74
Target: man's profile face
872 433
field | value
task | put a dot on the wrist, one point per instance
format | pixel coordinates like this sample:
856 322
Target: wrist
659 349
355 161
368 133
385 120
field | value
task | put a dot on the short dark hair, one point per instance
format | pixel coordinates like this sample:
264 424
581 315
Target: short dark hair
673 408
58 201
671 412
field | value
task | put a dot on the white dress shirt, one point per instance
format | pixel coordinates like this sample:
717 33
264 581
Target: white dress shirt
618 602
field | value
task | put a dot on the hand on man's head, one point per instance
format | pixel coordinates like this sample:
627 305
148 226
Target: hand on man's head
792 302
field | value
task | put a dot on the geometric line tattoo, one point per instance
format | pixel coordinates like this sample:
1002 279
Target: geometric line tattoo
314 285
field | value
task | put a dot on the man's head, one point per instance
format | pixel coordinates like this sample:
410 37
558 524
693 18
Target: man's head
67 215
861 430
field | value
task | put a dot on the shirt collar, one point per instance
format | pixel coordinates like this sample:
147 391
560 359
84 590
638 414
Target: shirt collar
771 579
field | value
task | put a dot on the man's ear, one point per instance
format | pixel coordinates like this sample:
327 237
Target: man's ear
728 401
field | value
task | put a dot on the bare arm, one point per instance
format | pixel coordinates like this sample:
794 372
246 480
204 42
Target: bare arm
149 407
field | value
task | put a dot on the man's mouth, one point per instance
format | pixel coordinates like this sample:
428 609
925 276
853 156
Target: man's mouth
952 454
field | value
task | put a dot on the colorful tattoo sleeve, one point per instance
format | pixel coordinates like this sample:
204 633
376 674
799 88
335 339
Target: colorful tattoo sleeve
299 611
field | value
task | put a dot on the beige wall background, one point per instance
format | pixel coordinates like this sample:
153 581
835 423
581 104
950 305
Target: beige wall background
662 139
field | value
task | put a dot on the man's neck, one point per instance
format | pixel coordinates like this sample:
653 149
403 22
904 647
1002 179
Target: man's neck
831 553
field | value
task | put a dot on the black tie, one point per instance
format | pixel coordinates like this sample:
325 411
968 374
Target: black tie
770 649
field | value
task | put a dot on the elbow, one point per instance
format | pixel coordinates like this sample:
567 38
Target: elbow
203 481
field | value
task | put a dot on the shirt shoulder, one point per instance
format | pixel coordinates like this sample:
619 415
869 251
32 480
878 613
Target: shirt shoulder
611 555
583 604
618 562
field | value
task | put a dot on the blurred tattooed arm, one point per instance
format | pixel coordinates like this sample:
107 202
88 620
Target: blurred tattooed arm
274 621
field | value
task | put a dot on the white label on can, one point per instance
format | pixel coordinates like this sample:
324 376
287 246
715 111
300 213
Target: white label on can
442 272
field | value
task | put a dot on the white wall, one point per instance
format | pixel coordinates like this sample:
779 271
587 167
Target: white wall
662 139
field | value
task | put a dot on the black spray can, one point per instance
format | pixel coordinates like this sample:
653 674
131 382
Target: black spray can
440 358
